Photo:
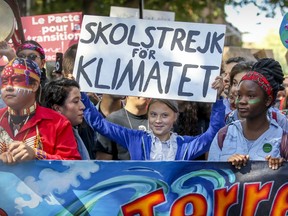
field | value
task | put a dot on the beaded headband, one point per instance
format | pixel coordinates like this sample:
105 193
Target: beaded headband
30 46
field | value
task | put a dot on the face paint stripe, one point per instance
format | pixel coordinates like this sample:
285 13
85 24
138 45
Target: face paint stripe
251 101
254 101
23 91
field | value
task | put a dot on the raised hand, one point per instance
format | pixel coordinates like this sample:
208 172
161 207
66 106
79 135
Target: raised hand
6 50
218 85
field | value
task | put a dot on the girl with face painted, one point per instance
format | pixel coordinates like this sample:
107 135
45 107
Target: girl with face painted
237 72
27 130
256 137
159 142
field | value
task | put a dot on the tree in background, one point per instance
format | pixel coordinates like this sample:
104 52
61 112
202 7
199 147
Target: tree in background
204 11
185 10
266 6
272 41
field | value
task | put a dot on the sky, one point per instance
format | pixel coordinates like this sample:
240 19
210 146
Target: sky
254 27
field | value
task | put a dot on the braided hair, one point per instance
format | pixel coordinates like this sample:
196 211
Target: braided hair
272 71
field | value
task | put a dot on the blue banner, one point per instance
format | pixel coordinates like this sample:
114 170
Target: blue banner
142 188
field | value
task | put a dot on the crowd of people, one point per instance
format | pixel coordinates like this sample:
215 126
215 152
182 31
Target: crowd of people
48 117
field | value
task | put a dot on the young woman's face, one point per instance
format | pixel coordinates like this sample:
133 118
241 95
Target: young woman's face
73 107
161 120
226 75
234 88
251 101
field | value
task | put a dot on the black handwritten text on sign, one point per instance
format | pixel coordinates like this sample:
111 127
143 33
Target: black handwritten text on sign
148 59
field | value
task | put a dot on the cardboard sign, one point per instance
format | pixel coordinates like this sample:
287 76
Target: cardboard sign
147 14
55 32
156 59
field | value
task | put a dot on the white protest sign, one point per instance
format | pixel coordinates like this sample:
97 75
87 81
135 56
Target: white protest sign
147 14
157 59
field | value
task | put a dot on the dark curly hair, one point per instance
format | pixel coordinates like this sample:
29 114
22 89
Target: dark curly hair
57 91
190 121
272 71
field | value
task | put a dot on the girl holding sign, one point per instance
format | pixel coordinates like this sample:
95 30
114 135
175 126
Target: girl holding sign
256 137
159 143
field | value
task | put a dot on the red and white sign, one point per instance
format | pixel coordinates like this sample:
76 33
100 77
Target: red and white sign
55 32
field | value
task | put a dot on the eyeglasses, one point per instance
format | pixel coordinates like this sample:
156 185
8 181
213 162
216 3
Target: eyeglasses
30 56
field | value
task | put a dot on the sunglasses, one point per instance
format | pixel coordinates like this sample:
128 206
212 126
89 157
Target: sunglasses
30 56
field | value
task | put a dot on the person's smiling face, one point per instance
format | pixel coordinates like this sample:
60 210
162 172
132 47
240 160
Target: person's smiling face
161 120
234 88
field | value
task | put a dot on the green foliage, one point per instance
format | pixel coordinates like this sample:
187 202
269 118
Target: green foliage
189 10
273 42
266 6
185 10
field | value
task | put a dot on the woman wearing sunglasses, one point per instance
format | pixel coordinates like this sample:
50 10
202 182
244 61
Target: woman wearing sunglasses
34 51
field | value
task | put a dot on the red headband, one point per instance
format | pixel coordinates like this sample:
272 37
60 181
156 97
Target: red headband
260 80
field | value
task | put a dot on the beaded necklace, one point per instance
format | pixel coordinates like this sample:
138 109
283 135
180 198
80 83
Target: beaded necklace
18 119
23 112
